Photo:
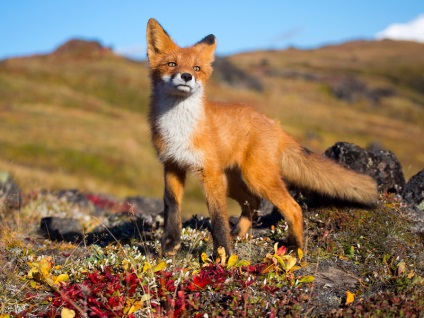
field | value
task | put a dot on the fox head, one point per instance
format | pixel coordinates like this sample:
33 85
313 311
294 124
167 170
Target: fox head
178 71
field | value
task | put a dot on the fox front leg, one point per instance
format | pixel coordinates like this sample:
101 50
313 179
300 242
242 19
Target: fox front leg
215 188
174 188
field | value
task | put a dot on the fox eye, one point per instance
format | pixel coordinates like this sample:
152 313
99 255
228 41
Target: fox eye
196 68
172 64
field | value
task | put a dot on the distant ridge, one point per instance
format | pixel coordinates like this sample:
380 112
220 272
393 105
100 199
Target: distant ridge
81 49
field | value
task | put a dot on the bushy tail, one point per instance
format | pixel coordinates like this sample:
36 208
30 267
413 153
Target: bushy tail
309 171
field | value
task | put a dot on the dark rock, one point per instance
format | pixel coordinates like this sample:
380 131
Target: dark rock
375 146
262 220
10 194
122 227
150 209
132 218
61 229
227 72
347 88
265 207
413 191
143 205
351 89
73 196
200 223
382 165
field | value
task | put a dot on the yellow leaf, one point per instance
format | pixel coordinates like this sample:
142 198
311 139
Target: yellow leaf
295 268
268 269
61 278
401 268
4 316
145 297
411 274
205 258
67 313
49 281
269 256
46 265
31 272
126 264
277 259
232 260
136 306
159 266
300 254
307 279
147 266
291 261
242 262
275 247
350 297
222 255
33 283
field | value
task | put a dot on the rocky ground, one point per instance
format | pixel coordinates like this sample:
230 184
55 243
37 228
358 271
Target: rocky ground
68 253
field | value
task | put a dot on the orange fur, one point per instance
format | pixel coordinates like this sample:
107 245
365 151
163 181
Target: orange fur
234 150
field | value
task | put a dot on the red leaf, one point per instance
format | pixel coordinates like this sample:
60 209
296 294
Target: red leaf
281 251
93 277
96 312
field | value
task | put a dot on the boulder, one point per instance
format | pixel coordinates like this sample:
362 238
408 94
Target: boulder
413 191
61 229
144 205
72 196
382 165
150 209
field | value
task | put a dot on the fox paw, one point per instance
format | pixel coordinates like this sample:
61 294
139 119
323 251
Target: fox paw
170 247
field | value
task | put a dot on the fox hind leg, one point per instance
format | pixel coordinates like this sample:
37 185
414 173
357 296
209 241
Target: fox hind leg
248 201
270 186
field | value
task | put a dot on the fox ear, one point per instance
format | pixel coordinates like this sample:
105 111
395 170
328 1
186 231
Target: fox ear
208 40
207 46
158 40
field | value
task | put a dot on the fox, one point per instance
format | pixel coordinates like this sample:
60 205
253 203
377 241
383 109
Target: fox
232 149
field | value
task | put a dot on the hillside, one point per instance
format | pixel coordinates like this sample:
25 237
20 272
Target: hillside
76 118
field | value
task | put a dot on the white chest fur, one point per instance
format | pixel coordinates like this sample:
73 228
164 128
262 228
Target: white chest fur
177 123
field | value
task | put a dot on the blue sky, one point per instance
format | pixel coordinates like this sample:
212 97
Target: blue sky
29 27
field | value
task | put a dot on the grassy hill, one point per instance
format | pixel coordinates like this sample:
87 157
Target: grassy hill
76 118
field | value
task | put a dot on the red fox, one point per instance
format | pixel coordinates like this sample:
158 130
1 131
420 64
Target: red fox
234 150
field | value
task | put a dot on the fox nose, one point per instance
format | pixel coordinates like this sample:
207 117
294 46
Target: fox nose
186 77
